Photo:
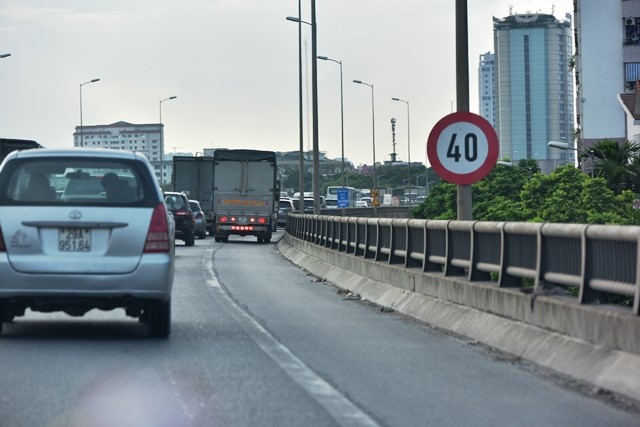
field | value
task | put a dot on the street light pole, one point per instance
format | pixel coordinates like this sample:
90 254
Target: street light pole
162 139
81 127
299 20
464 195
566 146
408 144
324 58
373 122
314 92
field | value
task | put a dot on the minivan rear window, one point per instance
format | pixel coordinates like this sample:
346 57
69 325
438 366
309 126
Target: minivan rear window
74 180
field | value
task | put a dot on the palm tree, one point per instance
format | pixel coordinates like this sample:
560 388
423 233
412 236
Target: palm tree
617 164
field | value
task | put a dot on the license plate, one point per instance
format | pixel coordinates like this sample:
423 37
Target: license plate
74 240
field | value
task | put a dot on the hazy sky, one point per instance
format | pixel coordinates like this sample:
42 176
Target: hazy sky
233 65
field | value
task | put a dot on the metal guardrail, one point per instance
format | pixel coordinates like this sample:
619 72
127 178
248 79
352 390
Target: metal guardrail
600 260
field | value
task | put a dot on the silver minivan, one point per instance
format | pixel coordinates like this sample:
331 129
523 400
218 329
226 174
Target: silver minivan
83 229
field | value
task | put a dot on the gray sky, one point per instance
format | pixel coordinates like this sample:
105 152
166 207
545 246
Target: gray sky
233 65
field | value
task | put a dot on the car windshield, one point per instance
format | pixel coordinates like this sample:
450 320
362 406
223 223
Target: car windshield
195 206
175 202
72 180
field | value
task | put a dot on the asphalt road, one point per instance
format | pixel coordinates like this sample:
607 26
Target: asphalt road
256 341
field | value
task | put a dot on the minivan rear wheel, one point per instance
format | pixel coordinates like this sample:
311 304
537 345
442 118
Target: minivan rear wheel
158 318
190 240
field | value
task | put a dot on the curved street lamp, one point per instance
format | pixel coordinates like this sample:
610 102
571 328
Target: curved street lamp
373 122
299 20
325 58
162 139
81 127
314 104
566 146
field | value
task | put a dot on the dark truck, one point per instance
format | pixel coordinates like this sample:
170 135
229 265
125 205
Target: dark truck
8 145
237 190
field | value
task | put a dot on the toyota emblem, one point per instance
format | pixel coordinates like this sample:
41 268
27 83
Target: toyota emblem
75 214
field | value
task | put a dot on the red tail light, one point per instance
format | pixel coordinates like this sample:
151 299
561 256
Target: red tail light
262 220
158 234
223 219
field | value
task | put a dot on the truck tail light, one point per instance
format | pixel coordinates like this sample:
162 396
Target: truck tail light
158 234
223 219
262 220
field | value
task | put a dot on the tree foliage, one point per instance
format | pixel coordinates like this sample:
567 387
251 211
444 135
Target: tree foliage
617 164
522 193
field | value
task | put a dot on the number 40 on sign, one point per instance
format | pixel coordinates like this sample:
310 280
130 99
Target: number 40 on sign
462 148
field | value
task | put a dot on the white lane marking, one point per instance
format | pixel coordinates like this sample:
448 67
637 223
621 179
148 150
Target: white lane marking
207 270
345 412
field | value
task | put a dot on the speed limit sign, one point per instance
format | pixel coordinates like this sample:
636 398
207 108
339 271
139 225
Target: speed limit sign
462 148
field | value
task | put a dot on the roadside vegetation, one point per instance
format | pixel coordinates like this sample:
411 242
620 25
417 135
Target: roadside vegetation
521 192
567 195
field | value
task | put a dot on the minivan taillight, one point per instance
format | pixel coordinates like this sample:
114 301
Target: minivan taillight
158 234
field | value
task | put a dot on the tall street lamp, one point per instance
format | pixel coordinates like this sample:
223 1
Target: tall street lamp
325 58
375 200
299 20
162 138
566 146
409 147
81 127
314 92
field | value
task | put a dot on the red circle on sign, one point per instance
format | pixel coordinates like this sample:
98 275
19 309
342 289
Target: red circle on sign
474 172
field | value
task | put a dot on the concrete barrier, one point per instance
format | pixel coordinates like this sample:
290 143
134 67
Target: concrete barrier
591 343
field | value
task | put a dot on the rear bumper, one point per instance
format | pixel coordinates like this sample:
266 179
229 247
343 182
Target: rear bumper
243 230
153 278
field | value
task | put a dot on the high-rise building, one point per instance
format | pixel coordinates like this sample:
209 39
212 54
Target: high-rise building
144 138
534 87
487 87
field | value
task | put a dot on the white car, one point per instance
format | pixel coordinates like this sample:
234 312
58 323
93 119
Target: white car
74 238
362 204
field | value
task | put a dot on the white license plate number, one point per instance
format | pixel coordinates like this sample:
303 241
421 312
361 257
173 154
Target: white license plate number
74 240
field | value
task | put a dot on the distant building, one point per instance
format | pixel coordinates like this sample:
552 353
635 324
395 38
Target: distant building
487 87
608 66
289 162
534 87
144 138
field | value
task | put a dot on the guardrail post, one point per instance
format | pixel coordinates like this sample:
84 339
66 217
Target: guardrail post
519 258
415 243
485 250
435 247
458 248
352 235
370 251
